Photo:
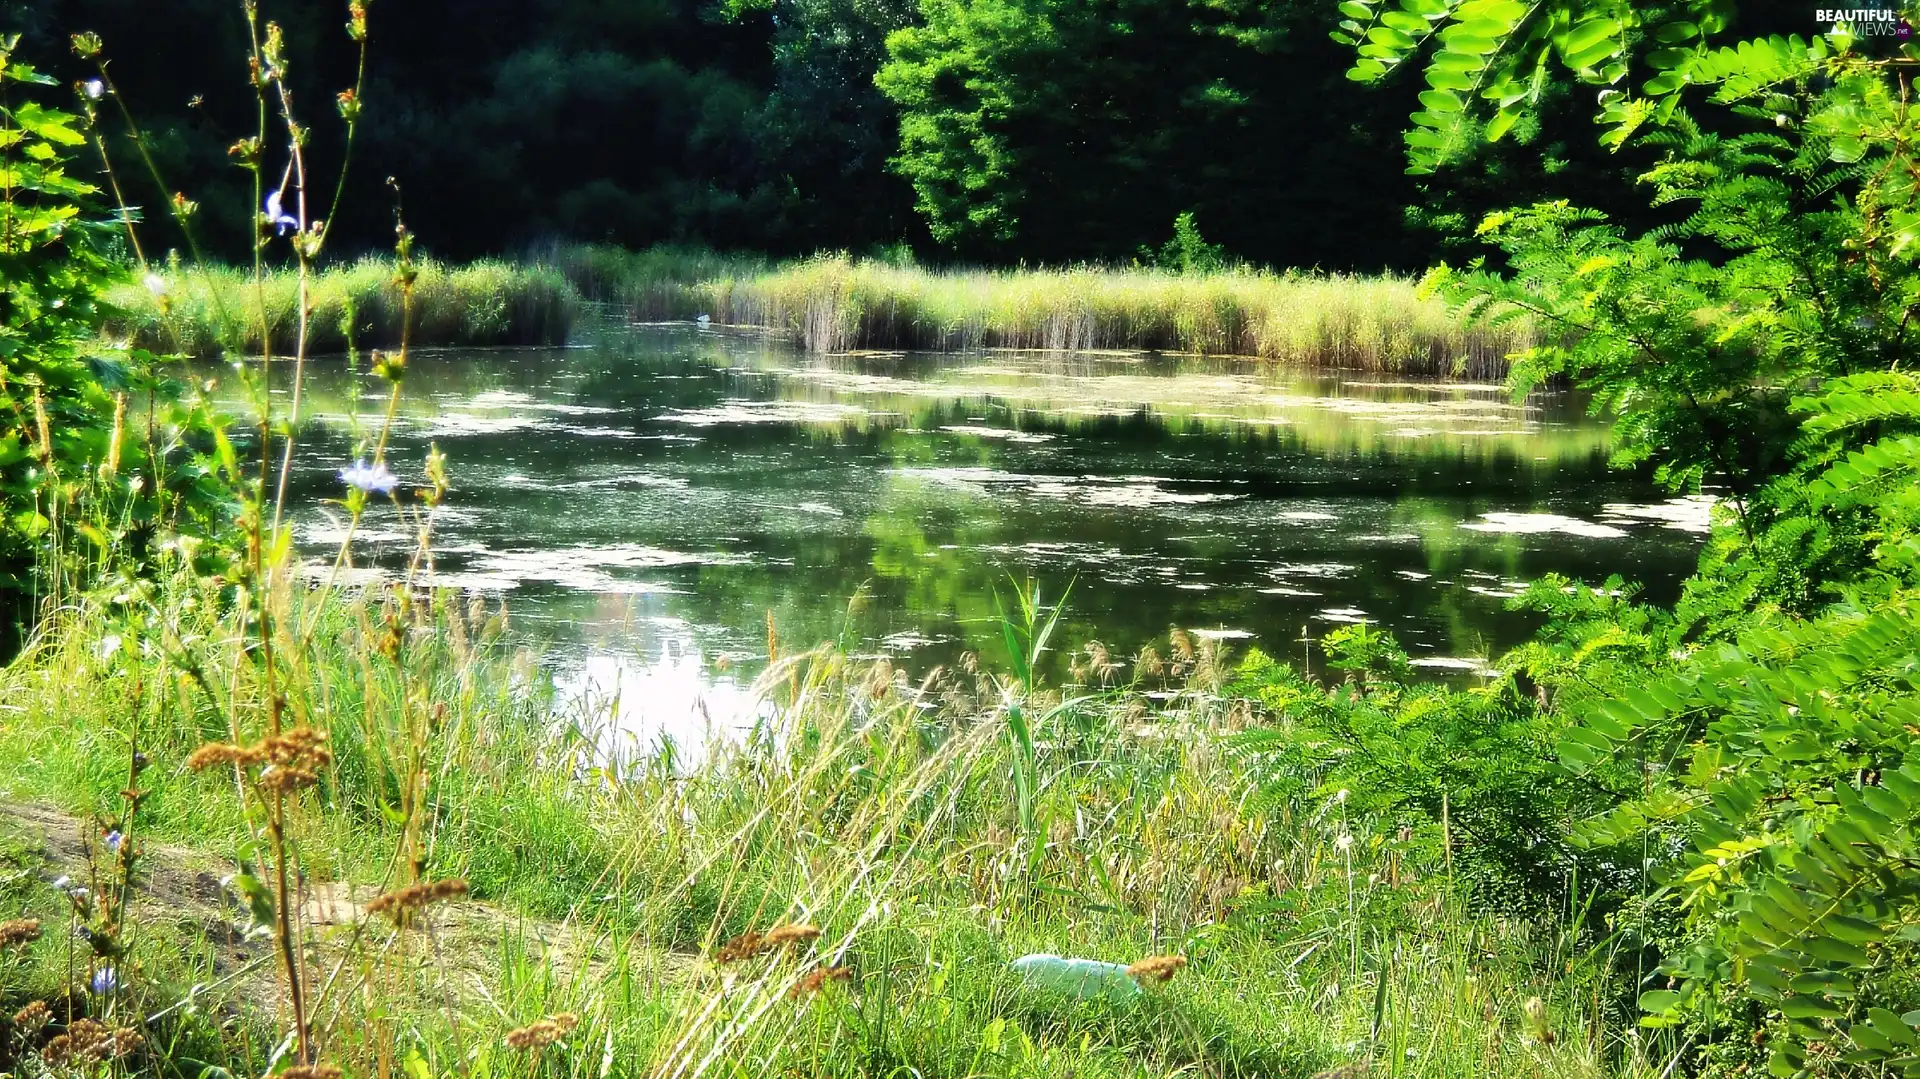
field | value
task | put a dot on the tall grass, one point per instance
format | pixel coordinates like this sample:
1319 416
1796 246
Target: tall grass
215 309
833 303
876 810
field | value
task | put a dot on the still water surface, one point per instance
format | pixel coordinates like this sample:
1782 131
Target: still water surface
643 502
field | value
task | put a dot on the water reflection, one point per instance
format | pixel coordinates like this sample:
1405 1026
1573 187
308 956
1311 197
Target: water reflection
645 502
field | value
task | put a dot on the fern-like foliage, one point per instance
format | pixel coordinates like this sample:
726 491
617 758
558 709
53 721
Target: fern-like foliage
1785 824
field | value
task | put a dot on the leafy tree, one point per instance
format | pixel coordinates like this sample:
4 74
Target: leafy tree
1758 744
95 453
1071 129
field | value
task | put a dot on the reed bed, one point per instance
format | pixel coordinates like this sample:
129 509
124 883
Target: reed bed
834 303
838 891
214 310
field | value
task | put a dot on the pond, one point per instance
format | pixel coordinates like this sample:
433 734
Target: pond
648 502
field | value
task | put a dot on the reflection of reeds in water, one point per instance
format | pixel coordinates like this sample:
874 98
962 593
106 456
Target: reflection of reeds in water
833 303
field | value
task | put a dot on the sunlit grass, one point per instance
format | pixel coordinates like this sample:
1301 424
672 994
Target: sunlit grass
832 303
875 808
207 311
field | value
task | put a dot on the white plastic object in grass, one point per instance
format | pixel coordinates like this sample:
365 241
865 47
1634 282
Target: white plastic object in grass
1088 979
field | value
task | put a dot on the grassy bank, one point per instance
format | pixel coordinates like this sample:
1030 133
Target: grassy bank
205 312
930 830
834 303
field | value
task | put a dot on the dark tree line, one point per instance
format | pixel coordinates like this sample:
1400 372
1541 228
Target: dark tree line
995 130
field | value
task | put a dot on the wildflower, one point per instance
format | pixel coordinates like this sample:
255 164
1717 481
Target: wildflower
155 284
349 104
1157 969
33 1016
539 1035
19 931
815 980
86 45
1536 1013
277 219
370 478
94 88
391 366
105 980
357 20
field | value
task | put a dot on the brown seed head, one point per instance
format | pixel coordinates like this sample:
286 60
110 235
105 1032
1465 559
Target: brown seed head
19 931
785 935
33 1016
400 904
537 1036
815 980
1157 969
740 947
214 754
285 779
89 1042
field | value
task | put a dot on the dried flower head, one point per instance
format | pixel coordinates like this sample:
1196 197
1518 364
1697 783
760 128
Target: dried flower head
214 754
1148 662
293 760
285 779
19 931
400 904
33 1016
815 980
740 947
1157 969
786 935
88 1042
312 1071
1181 643
537 1036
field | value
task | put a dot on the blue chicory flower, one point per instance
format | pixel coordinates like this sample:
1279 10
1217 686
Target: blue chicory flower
278 218
371 478
105 980
113 840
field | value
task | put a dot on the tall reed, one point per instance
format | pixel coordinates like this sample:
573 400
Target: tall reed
834 303
210 310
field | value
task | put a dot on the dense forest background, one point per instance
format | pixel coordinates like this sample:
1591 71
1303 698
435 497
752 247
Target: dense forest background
979 130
